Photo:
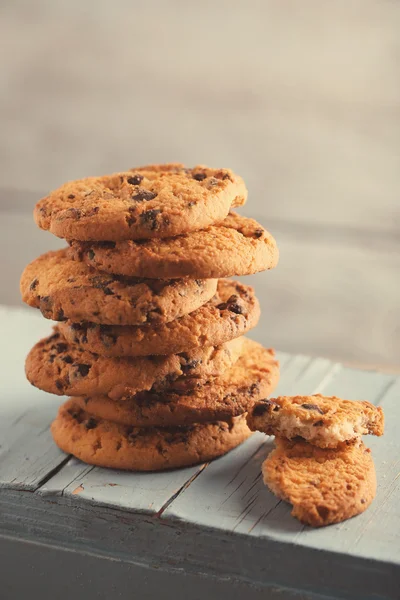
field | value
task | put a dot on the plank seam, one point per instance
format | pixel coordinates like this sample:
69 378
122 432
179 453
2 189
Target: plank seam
166 504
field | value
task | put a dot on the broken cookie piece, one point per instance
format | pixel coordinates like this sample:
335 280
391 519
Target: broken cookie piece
323 421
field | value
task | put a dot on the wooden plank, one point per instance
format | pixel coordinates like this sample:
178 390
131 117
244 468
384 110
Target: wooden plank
243 504
66 573
140 492
27 452
353 385
375 533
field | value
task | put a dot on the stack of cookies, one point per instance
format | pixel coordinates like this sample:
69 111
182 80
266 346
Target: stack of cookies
149 344
320 464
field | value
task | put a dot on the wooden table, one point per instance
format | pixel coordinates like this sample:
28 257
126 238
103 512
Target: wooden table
70 530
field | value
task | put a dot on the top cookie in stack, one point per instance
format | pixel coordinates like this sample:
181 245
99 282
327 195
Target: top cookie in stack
149 342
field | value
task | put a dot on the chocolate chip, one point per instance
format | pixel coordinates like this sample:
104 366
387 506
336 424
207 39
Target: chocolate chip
67 359
313 407
46 306
254 389
318 423
91 212
362 501
91 423
74 213
71 196
189 365
149 217
52 358
102 283
59 385
143 195
258 233
263 407
82 369
34 284
131 219
60 315
90 254
107 338
75 414
61 347
53 337
232 305
199 176
135 179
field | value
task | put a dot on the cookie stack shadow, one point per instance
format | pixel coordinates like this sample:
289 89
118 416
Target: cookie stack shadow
150 342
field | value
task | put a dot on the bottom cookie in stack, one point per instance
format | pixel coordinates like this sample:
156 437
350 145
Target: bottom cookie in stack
152 431
108 444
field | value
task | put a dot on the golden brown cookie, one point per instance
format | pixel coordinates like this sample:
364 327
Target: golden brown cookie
66 289
107 444
324 485
232 312
155 201
237 246
253 376
55 366
323 421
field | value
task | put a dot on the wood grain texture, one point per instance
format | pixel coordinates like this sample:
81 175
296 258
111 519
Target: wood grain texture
217 518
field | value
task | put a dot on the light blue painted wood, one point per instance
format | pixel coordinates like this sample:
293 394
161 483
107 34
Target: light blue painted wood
224 517
375 533
242 503
141 492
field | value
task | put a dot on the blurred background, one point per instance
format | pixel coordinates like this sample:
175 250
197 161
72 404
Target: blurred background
300 98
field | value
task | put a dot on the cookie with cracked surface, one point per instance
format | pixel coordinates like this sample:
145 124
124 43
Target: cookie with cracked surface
155 201
254 375
324 485
323 421
236 246
55 366
66 289
232 312
107 444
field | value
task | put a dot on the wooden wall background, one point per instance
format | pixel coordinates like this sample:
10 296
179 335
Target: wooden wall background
301 98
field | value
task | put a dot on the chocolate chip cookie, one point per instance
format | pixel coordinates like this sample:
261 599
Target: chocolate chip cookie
156 201
253 376
61 368
107 444
232 312
323 421
237 246
324 485
66 289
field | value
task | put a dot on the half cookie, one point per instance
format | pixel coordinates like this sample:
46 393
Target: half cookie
237 246
254 376
147 202
232 312
55 366
324 486
323 421
107 444
66 289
